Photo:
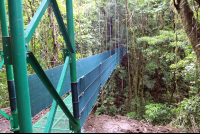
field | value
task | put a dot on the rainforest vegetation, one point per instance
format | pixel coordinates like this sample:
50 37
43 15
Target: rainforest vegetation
158 81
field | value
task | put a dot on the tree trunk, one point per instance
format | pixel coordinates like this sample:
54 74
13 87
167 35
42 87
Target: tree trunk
129 73
55 45
134 55
190 24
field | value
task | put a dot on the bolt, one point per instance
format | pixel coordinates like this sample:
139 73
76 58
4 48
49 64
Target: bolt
26 45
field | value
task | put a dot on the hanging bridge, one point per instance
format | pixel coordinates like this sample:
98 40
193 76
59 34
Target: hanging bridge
82 80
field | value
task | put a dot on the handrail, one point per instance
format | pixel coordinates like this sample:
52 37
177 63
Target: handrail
95 80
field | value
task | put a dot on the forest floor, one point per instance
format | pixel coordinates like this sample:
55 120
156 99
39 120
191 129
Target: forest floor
101 124
121 124
5 124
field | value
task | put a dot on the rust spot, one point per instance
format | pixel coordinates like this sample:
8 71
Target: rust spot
20 34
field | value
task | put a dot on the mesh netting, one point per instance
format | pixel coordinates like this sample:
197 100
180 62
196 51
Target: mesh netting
60 123
89 86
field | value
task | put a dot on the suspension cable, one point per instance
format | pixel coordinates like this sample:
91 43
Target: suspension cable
110 27
106 31
110 31
118 40
100 39
115 26
100 29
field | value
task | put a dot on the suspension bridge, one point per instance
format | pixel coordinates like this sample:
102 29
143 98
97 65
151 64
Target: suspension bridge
82 80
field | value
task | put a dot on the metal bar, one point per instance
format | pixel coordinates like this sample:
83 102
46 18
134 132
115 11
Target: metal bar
53 128
70 28
95 90
62 26
58 120
13 104
4 115
9 71
35 20
20 65
73 71
97 77
99 83
59 90
41 74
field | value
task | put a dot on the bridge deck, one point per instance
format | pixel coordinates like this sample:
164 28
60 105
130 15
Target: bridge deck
61 122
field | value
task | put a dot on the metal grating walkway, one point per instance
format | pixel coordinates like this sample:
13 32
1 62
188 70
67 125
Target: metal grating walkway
60 121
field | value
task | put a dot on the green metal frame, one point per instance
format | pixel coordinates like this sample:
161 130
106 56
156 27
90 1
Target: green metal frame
41 74
38 16
59 90
4 26
20 65
5 115
73 71
16 51
17 55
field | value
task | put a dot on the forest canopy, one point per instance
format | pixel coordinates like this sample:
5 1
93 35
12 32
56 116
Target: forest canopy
157 81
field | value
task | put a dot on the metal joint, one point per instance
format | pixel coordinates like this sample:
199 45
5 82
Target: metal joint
7 51
67 53
81 94
75 99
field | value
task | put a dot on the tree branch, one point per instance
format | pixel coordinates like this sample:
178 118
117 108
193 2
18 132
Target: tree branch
198 2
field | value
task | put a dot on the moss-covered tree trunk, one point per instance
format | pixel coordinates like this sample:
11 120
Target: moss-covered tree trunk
190 24
132 32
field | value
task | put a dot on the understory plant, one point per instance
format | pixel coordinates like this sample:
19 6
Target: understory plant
159 114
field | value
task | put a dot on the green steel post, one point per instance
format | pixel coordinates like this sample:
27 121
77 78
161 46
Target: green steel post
20 65
9 71
70 28
73 71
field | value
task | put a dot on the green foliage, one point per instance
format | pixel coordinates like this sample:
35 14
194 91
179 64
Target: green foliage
188 113
132 115
160 80
4 97
159 114
101 110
